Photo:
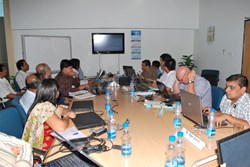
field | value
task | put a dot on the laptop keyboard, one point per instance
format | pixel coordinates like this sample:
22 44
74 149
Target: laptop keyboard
70 160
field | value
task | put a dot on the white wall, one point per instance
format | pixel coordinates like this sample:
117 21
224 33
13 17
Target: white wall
167 26
228 18
48 14
154 43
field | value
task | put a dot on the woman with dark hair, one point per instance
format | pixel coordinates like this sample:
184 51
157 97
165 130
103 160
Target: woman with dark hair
44 116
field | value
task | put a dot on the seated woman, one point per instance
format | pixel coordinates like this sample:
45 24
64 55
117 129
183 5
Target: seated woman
44 116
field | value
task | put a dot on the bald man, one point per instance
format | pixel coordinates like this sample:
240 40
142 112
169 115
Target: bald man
188 80
43 70
32 81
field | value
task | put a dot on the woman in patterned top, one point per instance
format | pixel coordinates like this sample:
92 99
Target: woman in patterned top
44 116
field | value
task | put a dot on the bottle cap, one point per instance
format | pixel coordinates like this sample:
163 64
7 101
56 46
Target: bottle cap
178 103
171 138
111 113
125 125
180 134
212 110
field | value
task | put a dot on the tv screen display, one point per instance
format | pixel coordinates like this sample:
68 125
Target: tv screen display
107 43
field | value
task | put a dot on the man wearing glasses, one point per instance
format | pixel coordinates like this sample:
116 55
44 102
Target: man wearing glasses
235 104
188 80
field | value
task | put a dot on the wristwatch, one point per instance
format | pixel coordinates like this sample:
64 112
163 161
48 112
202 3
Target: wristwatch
190 82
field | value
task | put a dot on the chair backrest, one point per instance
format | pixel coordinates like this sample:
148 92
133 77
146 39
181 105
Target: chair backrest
17 88
17 105
211 75
10 122
217 94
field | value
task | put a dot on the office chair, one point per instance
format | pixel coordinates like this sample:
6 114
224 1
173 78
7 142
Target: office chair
211 75
217 94
17 88
15 103
10 122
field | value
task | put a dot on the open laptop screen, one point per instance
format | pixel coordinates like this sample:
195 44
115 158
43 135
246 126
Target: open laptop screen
191 108
129 71
234 150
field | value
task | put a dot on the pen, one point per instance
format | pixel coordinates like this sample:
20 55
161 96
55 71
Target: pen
75 133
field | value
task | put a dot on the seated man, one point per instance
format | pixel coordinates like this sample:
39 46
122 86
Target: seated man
43 70
76 68
6 91
148 73
164 57
21 75
68 80
235 104
15 152
32 83
156 65
169 80
188 80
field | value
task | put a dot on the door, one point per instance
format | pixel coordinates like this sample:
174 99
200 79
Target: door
245 68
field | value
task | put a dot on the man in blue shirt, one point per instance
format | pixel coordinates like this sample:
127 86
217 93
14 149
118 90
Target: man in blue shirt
188 80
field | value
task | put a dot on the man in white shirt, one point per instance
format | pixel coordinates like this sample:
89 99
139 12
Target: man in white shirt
6 91
169 76
169 68
21 75
32 82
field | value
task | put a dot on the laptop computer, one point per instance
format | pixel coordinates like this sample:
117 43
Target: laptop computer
82 105
101 74
88 120
192 110
234 150
129 71
168 98
77 158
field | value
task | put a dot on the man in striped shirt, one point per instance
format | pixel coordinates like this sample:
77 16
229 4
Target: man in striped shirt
235 104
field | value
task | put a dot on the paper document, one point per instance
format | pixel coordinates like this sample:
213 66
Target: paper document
83 82
83 94
144 93
70 133
158 104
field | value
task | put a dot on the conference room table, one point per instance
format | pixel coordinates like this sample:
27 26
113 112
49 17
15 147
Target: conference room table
149 134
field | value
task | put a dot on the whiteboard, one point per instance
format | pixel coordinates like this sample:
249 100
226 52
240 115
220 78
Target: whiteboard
46 49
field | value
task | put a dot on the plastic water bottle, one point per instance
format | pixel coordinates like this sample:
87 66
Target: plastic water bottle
111 126
108 89
180 150
126 145
117 79
132 88
171 153
211 128
108 101
177 117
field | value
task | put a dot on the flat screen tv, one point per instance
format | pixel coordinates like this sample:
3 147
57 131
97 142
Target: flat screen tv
107 43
